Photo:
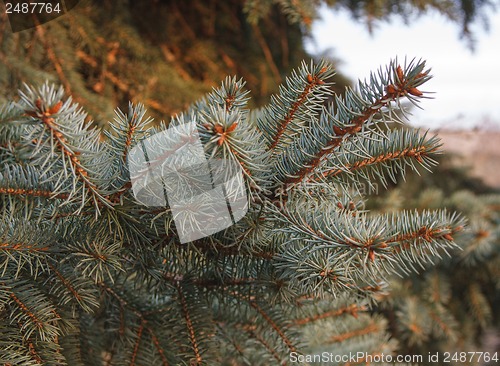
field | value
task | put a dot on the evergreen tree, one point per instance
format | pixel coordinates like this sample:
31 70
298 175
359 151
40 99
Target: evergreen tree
91 276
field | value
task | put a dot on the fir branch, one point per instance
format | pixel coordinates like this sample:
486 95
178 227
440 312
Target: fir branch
254 335
210 283
158 347
61 142
378 157
230 96
414 322
348 118
12 121
18 350
32 192
273 325
371 327
24 245
132 126
225 132
331 250
352 309
97 258
31 344
429 232
298 11
311 241
444 324
231 93
312 82
34 353
67 284
14 247
16 180
125 131
32 310
437 288
64 141
137 342
408 152
38 323
78 289
238 347
299 100
123 302
189 325
479 307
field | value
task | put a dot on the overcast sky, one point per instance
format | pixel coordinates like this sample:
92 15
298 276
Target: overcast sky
467 84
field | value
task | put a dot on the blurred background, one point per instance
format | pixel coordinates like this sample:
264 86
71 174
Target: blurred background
465 69
466 105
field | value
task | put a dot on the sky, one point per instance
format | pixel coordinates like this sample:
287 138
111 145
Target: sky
466 83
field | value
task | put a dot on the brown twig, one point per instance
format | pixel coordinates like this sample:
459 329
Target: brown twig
267 53
189 325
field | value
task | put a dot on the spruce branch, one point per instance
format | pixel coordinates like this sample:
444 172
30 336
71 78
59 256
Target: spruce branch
429 234
58 136
96 258
125 132
189 325
352 309
444 324
54 58
337 250
352 115
269 348
137 343
478 305
26 182
369 328
274 326
24 246
159 348
36 317
127 129
68 288
414 324
375 159
300 98
16 350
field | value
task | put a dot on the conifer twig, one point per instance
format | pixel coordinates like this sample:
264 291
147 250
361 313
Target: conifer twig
371 327
352 309
312 81
353 128
273 324
189 325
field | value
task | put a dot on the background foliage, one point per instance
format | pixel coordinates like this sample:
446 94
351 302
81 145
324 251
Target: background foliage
167 54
